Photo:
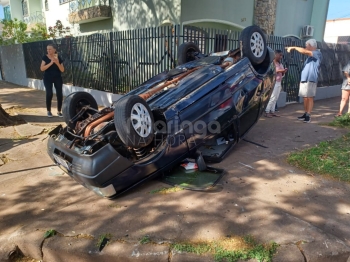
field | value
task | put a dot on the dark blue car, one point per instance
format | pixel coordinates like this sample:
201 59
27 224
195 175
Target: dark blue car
197 110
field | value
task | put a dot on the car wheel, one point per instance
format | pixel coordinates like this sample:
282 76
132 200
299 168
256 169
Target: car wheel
73 103
133 120
254 44
186 52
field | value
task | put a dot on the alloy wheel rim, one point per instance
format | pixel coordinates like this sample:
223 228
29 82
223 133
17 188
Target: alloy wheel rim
141 120
257 44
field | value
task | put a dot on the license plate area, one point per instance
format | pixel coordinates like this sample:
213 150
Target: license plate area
62 162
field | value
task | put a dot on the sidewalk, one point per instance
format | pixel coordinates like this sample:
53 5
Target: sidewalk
262 195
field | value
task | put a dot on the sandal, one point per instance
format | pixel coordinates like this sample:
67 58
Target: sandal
268 115
275 115
337 115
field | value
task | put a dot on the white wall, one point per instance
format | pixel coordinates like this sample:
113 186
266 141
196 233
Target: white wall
126 14
335 28
16 9
237 13
102 98
12 63
58 12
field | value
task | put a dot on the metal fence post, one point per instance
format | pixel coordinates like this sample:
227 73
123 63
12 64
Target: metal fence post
111 49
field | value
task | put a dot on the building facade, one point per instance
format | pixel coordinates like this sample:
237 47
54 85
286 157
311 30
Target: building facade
337 31
298 18
28 11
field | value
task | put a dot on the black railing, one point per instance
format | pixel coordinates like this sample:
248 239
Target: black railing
118 62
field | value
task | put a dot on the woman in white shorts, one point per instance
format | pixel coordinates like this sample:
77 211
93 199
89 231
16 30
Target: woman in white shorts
345 92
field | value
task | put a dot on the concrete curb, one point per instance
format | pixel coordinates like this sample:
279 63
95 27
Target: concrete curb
84 248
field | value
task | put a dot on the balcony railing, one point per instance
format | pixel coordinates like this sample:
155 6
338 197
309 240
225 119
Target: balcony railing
34 18
84 11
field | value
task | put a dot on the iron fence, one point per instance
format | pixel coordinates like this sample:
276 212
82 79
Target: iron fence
118 62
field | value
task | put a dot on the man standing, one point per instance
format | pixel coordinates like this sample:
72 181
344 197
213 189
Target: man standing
309 76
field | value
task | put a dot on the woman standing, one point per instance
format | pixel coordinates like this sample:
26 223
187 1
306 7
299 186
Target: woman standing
345 92
280 71
52 66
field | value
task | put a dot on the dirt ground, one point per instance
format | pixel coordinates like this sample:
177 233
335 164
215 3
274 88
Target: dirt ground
261 194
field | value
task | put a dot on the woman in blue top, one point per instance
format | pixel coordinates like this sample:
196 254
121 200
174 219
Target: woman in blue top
52 66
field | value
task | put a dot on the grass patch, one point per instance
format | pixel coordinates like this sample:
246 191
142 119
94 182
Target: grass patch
341 121
327 158
103 240
145 239
231 249
50 233
166 190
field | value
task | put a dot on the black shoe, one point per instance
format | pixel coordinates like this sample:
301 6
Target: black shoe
307 119
302 117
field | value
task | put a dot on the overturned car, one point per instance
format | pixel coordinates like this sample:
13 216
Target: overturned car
178 114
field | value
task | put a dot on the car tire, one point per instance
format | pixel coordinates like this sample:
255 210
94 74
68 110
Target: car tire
185 53
254 45
133 120
73 103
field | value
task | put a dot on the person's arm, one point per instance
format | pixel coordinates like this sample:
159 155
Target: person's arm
59 65
281 71
347 75
300 50
45 66
225 64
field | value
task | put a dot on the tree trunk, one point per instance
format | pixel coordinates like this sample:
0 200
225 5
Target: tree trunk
7 120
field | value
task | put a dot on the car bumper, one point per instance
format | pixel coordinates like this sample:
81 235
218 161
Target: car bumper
92 171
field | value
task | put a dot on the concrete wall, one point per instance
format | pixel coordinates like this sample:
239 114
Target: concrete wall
34 6
126 14
16 9
319 17
216 26
102 98
145 13
291 16
238 13
12 63
59 12
325 92
335 28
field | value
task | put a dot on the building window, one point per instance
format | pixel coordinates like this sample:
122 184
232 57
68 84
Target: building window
47 5
7 13
24 7
64 1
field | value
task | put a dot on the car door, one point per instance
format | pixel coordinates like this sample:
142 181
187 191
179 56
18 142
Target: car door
248 102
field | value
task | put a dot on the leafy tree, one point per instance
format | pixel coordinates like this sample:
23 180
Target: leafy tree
14 32
59 31
39 33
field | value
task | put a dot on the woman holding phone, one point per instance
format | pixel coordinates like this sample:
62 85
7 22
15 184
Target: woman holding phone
52 66
280 72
